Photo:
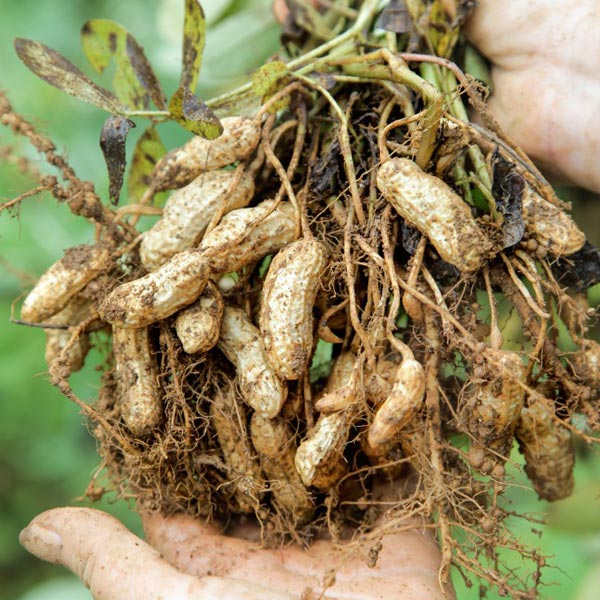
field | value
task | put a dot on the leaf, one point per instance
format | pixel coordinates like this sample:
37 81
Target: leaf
148 150
507 190
55 69
134 82
268 79
190 112
395 17
112 141
194 39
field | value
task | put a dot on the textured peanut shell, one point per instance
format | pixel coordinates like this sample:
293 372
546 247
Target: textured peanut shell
586 363
319 459
550 225
63 280
436 211
140 400
274 443
228 418
401 406
198 325
181 166
242 344
188 212
548 450
236 242
340 391
76 310
159 294
286 310
494 409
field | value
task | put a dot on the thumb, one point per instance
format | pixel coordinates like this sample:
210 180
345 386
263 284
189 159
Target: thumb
116 565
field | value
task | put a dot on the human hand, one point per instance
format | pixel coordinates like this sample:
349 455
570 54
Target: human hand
187 560
546 80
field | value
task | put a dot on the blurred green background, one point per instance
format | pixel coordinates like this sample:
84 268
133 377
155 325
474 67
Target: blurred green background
46 455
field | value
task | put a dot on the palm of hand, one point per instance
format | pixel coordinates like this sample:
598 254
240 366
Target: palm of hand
187 560
546 87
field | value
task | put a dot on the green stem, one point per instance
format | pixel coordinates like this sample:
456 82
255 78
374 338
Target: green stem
365 16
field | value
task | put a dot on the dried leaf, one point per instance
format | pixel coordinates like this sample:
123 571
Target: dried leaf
508 192
194 38
268 79
55 69
190 112
112 141
395 17
580 270
148 150
135 82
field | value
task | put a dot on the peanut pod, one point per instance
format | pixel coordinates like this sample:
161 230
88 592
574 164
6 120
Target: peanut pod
548 450
246 235
586 364
320 457
436 211
228 418
188 212
274 443
494 408
198 325
549 225
342 388
159 294
242 344
286 310
400 407
63 280
136 373
76 310
181 166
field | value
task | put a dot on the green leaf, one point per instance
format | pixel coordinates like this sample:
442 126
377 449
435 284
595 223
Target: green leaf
194 39
192 114
112 141
135 82
55 69
148 151
268 79
322 361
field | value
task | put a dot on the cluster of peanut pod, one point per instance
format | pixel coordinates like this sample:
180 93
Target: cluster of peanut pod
214 397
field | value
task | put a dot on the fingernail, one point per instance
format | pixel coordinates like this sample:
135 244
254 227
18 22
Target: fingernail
43 543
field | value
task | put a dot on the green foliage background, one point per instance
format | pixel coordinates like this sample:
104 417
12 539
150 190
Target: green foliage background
46 455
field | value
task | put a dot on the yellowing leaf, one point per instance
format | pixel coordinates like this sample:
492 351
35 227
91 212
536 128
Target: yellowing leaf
192 114
194 39
268 79
135 82
55 69
148 150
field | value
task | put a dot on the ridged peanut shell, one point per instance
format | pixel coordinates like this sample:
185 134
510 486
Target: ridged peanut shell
401 406
140 399
242 344
438 212
199 324
159 294
286 310
188 212
550 225
63 280
246 235
274 443
548 450
181 166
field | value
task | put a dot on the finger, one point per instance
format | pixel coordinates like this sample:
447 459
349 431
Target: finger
116 565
